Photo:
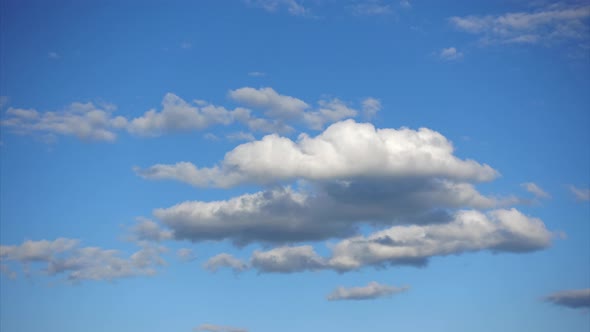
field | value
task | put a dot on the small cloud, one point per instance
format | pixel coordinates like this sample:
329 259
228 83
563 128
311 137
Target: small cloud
534 189
575 299
370 107
371 8
186 254
211 137
293 7
373 290
450 54
405 4
240 136
53 55
225 260
256 74
581 194
186 45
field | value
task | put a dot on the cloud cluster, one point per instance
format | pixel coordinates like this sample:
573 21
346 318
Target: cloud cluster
550 24
578 298
373 290
83 120
345 150
65 256
89 122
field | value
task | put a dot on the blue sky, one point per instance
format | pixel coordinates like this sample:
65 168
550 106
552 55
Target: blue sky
289 165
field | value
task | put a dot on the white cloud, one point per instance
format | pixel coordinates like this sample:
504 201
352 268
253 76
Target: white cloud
186 254
53 55
581 194
372 8
240 136
218 328
534 189
345 150
293 7
275 104
553 23
179 115
64 256
576 298
83 120
329 111
450 54
372 291
405 4
224 260
370 107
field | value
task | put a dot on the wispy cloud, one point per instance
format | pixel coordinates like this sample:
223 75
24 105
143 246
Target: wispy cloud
53 55
581 194
371 8
373 290
534 189
293 7
256 74
549 24
450 54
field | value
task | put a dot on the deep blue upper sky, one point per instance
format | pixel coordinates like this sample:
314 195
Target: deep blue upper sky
457 199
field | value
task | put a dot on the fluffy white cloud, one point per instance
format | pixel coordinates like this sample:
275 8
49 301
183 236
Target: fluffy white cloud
581 194
372 291
275 104
329 111
225 260
345 150
577 298
450 54
552 23
83 120
218 328
64 256
534 189
179 115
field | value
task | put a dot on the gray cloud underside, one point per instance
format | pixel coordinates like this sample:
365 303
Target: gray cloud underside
373 290
578 298
65 256
217 328
502 230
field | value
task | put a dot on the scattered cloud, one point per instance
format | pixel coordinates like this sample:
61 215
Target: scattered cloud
224 260
178 115
256 74
53 55
65 256
186 45
241 136
371 107
275 104
371 8
83 120
579 298
293 7
534 189
287 260
147 230
450 54
186 254
218 328
553 23
373 290
581 194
